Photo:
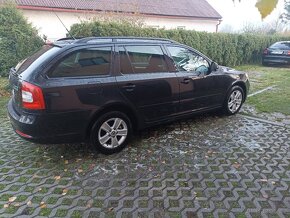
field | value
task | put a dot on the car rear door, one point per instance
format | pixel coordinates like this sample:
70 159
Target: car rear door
79 84
146 82
199 89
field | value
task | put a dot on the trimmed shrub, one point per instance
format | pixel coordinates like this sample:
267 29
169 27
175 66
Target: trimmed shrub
225 49
18 38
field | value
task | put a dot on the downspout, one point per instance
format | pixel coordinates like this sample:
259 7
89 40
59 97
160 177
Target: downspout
217 26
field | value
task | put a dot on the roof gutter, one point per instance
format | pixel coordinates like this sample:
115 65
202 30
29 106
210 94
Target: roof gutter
41 8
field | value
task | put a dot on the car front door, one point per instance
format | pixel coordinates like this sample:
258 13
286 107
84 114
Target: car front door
146 82
199 89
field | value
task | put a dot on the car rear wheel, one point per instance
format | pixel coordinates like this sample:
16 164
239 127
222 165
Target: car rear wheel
234 100
111 132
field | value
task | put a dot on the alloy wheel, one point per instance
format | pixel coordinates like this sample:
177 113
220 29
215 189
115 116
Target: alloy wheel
112 133
235 101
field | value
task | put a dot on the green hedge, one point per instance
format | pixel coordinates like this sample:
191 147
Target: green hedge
225 49
18 39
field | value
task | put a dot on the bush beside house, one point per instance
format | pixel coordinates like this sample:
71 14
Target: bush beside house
18 38
225 49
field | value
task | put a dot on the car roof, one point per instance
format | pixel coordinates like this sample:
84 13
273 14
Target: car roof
101 40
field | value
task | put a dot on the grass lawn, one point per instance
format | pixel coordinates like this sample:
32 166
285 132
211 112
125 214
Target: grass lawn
276 100
4 96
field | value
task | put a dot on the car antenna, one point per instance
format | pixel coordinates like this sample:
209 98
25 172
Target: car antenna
64 25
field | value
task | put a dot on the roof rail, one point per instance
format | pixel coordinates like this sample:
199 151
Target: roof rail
121 39
67 38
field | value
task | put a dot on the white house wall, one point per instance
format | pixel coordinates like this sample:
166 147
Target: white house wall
48 24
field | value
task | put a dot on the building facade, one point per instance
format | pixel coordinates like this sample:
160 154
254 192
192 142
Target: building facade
45 15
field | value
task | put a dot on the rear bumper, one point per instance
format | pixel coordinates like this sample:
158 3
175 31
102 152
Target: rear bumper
44 128
271 59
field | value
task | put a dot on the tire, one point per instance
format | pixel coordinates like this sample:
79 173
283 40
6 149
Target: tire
234 100
111 132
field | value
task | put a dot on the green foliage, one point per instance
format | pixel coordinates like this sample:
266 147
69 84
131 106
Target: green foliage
225 49
18 39
287 10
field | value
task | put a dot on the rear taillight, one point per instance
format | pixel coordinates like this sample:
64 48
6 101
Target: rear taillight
32 97
288 52
266 51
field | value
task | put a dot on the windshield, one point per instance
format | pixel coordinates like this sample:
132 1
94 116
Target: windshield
35 59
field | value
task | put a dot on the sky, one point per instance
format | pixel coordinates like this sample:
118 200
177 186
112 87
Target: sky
238 13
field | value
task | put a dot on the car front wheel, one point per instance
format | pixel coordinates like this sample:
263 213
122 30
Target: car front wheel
234 100
111 132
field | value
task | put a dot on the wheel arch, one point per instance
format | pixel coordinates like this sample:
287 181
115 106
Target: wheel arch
242 85
120 107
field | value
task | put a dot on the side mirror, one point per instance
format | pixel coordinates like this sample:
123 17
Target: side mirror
213 67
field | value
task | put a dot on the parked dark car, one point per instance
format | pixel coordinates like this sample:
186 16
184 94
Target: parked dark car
102 89
278 53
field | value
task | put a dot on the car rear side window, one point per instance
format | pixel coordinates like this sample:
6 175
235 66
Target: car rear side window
36 59
142 59
85 62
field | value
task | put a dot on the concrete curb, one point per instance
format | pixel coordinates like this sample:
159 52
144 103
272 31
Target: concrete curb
264 121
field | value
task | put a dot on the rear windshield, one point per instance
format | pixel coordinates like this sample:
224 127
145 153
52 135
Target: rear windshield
36 58
281 45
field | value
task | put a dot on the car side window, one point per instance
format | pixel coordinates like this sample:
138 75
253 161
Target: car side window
186 60
142 59
85 62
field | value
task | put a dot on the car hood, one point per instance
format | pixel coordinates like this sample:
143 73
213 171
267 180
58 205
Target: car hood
228 70
240 75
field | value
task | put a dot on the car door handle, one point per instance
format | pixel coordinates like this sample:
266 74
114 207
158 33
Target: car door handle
129 87
185 80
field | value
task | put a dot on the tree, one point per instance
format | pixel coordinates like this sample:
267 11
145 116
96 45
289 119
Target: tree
265 7
18 38
286 15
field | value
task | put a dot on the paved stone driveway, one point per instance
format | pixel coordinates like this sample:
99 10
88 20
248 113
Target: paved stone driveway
206 167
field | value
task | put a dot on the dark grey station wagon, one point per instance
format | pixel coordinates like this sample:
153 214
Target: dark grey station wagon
102 89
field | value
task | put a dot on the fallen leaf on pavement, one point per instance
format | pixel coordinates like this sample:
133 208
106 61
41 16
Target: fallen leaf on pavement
236 165
57 177
29 203
6 205
111 209
12 199
42 205
89 204
64 191
80 170
265 196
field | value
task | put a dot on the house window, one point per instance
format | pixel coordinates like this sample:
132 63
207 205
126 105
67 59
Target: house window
154 26
181 27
